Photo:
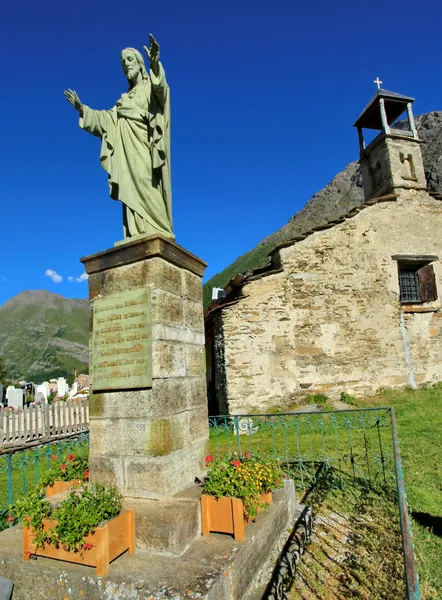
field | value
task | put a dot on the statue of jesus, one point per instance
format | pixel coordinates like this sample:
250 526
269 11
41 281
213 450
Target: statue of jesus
135 144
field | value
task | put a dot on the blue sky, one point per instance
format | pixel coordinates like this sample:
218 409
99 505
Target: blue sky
263 96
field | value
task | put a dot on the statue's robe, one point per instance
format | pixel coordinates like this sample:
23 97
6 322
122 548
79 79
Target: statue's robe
135 152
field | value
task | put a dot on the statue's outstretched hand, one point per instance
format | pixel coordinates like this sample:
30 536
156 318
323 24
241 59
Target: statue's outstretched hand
72 97
153 52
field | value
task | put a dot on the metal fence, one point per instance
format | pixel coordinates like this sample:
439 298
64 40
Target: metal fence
358 444
21 468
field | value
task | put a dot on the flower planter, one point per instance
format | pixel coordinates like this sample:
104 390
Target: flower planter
108 541
226 515
61 486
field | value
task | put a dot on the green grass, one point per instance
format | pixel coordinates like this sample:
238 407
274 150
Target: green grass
419 424
356 549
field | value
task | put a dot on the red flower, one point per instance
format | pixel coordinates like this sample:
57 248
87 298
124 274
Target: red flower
53 457
71 457
11 519
209 459
235 463
86 474
87 546
63 466
249 455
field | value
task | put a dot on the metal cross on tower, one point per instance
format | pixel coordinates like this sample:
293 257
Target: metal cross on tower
378 82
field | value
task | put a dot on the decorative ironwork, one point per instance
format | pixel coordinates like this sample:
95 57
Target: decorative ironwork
353 444
285 570
21 468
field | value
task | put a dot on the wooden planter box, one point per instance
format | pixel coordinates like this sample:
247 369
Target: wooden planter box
61 486
108 541
226 515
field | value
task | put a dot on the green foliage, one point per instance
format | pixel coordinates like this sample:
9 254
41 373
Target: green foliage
40 333
52 396
67 469
319 399
3 374
348 399
246 478
73 519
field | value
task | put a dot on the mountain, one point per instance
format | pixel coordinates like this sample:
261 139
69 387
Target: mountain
43 335
342 194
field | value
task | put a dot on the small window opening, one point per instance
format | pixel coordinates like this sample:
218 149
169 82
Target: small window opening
417 282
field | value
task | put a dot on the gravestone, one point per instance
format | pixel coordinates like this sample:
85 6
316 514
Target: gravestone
42 389
16 398
39 397
62 387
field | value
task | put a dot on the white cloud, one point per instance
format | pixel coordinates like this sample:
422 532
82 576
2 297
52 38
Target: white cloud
56 278
83 277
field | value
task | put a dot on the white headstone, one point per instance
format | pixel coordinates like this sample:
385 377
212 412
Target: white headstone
61 387
74 389
40 397
16 398
42 389
8 391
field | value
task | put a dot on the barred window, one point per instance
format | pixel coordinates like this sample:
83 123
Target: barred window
417 283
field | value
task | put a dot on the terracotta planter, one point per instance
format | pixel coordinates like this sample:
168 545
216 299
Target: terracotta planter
61 486
226 515
108 541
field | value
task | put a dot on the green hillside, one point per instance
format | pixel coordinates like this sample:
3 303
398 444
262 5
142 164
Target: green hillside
43 335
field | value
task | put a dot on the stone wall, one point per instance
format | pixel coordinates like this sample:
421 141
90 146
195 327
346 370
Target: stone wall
331 320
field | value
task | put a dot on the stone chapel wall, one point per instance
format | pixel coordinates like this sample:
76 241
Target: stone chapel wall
331 321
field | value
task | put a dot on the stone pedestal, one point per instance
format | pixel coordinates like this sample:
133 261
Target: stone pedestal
150 441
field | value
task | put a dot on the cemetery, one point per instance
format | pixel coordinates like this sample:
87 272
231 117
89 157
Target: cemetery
249 451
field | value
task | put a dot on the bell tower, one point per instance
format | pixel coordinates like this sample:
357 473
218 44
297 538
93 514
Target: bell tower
392 160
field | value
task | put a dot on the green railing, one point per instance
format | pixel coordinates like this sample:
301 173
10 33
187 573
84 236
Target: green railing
360 444
356 444
21 468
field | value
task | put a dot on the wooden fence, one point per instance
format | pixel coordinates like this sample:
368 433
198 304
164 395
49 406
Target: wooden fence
43 421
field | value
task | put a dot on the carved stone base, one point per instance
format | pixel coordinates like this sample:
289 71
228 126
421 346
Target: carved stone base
150 441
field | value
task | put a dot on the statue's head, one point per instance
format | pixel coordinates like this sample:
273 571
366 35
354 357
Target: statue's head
133 64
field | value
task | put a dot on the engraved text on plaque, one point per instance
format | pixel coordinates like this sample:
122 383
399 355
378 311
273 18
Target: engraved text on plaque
122 341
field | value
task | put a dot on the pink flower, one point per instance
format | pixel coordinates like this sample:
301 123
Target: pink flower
235 463
11 519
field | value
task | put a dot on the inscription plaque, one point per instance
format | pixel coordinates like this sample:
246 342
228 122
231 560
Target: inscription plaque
122 341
